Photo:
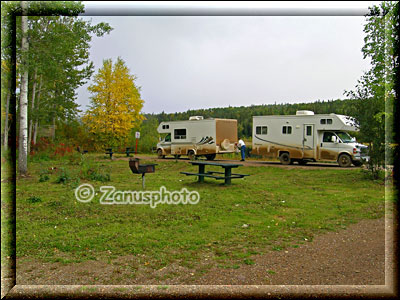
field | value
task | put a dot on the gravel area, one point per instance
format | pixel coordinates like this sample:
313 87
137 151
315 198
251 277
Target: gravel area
352 256
346 264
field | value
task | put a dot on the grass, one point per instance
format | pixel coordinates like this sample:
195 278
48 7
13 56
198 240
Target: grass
283 207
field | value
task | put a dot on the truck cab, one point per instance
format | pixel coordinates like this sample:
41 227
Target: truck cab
164 146
342 147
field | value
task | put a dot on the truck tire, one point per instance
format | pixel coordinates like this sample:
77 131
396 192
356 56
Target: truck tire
191 155
160 154
344 160
211 156
285 158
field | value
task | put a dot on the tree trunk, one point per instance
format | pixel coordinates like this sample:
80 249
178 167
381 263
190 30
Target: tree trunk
53 134
5 142
32 108
35 129
23 100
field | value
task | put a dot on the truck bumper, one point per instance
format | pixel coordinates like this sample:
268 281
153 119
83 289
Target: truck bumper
361 158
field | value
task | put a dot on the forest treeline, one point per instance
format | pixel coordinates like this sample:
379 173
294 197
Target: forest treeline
244 114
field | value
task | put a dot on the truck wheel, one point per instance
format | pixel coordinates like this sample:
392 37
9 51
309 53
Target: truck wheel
160 154
191 155
211 156
285 159
344 160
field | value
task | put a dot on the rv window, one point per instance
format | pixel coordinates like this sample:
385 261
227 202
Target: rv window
287 129
261 130
329 121
165 127
323 121
168 138
180 134
264 130
309 131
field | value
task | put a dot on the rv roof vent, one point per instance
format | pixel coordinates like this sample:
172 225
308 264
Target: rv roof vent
196 118
304 113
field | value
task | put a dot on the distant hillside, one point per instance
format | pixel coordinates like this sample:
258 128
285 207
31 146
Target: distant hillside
244 113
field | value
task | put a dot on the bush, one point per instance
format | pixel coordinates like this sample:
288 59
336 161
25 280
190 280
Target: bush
63 177
91 171
75 158
44 177
378 175
34 199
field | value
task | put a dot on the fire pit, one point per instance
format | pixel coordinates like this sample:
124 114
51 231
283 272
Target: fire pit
137 168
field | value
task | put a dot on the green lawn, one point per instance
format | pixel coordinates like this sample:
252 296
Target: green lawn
282 207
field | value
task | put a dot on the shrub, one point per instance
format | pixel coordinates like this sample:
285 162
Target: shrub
34 199
44 177
75 158
91 171
63 177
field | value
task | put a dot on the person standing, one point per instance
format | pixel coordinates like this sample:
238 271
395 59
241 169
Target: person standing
242 147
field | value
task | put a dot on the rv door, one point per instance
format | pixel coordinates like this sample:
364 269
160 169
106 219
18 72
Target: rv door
308 141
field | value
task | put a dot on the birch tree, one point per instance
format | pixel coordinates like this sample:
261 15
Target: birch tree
6 91
23 100
59 43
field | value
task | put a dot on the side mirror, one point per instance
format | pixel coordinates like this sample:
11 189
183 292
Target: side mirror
353 139
159 138
334 139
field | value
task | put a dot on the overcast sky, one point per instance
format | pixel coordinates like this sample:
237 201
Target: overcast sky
190 62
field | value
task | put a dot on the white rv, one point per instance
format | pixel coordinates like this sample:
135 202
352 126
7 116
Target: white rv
307 137
197 136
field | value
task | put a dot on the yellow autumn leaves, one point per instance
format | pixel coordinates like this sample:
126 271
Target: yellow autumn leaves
115 105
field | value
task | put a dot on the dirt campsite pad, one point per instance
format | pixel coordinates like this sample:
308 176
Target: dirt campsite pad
352 256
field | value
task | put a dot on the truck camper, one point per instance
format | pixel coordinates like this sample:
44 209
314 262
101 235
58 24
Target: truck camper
197 137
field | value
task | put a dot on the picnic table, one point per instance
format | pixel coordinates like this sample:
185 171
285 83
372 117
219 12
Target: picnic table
127 151
227 175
